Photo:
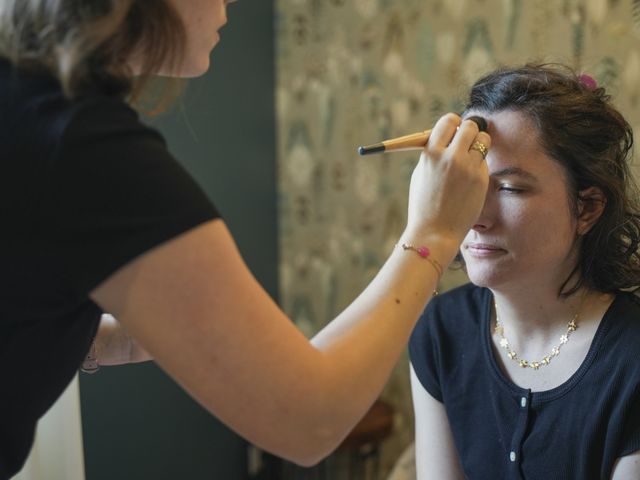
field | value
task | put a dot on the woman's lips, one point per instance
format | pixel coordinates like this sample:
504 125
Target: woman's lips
484 250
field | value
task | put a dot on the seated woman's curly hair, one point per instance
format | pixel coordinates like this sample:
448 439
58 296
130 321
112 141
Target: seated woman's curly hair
88 44
580 129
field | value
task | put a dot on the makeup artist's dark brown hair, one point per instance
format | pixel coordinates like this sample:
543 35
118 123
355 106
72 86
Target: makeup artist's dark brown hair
87 44
579 128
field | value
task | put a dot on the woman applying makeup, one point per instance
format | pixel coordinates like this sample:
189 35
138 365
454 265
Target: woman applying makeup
99 218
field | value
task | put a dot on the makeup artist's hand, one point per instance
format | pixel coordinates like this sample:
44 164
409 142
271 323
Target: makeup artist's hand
449 184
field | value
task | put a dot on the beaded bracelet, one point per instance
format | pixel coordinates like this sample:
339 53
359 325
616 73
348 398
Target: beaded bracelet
424 252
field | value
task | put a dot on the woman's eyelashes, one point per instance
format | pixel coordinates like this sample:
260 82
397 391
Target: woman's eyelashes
510 189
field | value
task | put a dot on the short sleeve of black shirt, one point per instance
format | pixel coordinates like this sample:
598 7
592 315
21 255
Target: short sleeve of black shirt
424 352
115 192
85 188
445 335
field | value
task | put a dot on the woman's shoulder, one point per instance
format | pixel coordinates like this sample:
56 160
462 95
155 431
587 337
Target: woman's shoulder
448 330
465 299
37 112
457 312
631 298
624 315
100 117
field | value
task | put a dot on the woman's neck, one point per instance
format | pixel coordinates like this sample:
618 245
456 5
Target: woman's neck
536 324
537 312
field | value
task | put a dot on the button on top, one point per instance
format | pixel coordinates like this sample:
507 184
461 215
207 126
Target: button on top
523 402
512 456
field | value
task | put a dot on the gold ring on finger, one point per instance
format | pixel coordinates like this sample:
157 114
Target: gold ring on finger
480 147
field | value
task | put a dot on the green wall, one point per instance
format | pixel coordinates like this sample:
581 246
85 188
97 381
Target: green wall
137 423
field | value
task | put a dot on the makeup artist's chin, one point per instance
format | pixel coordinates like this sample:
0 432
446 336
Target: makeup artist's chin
199 64
189 69
196 68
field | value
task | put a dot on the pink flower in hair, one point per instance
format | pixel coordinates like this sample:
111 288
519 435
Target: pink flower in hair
588 81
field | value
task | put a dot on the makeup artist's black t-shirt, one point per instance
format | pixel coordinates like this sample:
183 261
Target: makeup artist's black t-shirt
84 189
575 431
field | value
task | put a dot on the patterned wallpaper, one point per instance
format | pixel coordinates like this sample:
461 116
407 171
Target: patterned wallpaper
354 72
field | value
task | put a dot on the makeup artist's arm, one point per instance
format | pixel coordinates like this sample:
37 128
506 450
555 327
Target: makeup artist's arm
114 346
196 307
436 454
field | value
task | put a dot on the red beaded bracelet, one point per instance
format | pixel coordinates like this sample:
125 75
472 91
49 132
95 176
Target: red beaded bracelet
424 252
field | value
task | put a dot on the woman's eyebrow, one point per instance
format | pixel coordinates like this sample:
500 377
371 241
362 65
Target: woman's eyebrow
517 171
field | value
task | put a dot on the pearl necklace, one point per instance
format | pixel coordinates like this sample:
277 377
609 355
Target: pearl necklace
555 351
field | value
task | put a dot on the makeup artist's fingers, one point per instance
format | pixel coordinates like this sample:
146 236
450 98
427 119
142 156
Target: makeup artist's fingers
448 186
471 140
465 136
442 133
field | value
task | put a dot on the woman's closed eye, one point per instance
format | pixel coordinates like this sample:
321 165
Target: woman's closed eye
510 189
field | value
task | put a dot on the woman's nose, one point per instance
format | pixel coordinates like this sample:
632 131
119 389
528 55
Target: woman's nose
487 216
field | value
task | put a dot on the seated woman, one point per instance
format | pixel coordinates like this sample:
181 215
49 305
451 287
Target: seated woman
532 370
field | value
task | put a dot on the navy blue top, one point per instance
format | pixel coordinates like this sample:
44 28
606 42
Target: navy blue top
501 431
85 188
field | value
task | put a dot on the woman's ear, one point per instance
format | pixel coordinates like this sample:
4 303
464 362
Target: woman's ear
591 203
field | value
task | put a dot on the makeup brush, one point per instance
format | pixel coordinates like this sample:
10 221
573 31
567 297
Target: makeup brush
415 141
